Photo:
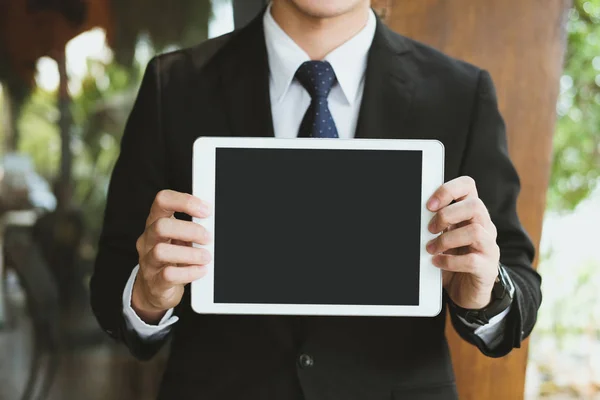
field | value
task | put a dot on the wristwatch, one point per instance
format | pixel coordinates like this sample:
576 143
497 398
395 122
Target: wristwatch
502 295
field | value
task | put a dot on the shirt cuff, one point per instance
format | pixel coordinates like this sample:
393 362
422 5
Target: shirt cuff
491 333
134 323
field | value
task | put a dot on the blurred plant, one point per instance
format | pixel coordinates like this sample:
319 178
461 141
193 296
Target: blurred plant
568 322
100 110
33 29
99 113
576 166
573 300
38 120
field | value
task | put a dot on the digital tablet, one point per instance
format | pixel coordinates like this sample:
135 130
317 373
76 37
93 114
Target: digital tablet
315 226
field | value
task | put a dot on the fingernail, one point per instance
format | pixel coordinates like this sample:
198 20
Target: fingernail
204 208
431 225
433 203
206 257
429 246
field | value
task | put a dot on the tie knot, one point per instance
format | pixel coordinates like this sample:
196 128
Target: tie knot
317 77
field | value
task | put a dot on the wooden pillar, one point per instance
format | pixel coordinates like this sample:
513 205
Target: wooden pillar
65 124
521 43
8 117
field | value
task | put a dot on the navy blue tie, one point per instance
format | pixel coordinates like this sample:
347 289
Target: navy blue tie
318 78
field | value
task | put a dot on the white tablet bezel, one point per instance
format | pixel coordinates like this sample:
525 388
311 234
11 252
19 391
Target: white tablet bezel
203 186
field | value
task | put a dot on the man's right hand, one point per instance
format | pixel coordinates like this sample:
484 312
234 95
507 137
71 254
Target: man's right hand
166 257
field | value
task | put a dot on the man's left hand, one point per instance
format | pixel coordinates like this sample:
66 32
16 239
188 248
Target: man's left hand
466 250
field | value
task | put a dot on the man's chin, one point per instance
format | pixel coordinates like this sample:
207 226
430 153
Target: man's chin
325 8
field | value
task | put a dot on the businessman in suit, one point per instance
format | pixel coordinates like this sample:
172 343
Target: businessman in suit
261 81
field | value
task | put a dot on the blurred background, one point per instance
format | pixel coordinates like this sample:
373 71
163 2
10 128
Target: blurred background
69 72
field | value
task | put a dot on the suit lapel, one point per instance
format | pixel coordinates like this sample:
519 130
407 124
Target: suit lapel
245 82
390 83
391 79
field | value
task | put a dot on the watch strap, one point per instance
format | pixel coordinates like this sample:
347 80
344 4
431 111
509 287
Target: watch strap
502 295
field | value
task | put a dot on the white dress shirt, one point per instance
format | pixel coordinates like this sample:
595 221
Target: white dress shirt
288 96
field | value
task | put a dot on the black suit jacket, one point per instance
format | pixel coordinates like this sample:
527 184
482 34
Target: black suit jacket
220 88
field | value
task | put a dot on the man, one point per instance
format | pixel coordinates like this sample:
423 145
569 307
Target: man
255 82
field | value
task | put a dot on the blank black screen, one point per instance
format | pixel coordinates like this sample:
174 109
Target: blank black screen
313 226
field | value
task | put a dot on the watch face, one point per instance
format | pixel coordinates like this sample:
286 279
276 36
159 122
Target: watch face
501 287
501 274
505 279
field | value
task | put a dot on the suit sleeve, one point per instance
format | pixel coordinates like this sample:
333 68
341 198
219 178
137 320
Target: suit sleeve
487 161
139 174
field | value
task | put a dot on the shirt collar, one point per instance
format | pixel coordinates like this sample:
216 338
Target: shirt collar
349 61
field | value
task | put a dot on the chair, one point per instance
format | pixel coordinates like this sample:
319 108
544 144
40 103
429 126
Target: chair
24 256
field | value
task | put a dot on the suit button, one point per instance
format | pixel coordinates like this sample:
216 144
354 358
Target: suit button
305 361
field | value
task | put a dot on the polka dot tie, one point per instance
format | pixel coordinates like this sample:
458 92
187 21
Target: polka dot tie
318 78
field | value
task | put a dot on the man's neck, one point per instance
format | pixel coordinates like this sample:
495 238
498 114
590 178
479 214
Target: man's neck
318 36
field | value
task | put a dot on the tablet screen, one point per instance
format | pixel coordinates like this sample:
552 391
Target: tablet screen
317 226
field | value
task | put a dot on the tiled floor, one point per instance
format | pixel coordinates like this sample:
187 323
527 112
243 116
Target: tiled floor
91 366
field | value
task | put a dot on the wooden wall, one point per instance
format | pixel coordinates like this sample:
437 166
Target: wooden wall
26 36
521 43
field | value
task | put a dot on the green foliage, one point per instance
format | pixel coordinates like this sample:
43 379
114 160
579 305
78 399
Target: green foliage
572 304
576 166
100 110
99 113
40 137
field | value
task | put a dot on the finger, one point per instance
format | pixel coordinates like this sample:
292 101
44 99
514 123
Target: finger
467 263
168 202
168 254
172 275
470 209
165 229
455 189
473 235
